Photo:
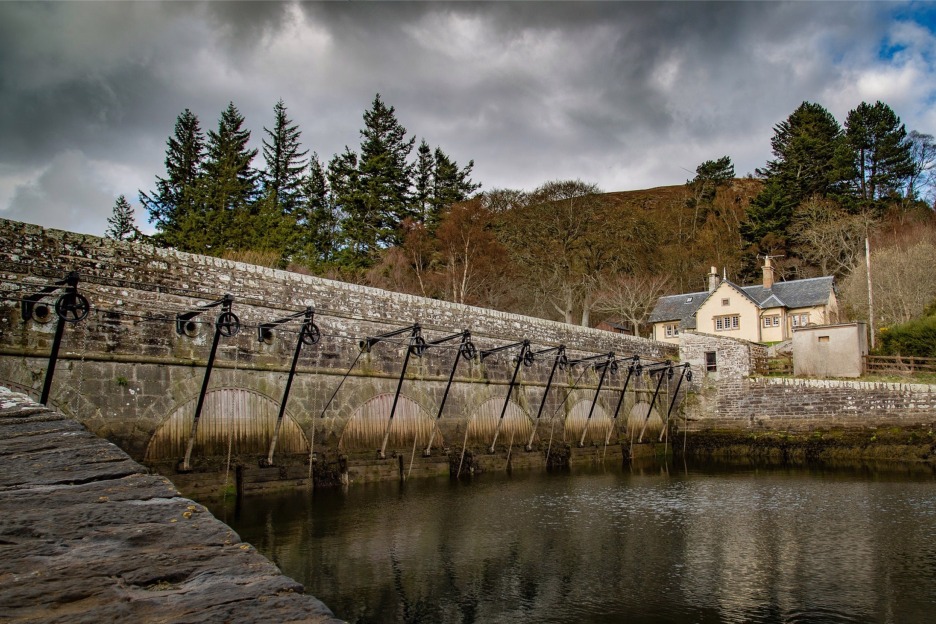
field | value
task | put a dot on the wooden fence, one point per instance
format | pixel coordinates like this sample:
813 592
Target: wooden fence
899 364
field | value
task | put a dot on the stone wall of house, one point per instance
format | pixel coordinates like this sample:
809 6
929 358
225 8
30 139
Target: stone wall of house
734 357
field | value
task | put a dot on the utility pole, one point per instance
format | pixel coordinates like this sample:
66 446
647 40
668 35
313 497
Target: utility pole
870 294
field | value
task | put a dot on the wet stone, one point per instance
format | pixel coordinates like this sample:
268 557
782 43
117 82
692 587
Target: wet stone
86 535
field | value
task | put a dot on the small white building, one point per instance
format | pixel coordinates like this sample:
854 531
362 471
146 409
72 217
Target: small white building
830 350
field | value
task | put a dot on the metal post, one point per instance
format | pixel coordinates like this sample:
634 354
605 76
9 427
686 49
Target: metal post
685 367
306 334
559 360
653 401
521 358
617 409
604 371
53 356
465 350
227 324
414 342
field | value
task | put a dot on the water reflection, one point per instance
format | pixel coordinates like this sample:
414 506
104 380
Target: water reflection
612 545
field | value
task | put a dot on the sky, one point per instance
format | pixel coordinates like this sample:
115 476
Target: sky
623 95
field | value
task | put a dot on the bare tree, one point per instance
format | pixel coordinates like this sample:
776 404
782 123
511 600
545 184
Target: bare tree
828 236
630 297
904 283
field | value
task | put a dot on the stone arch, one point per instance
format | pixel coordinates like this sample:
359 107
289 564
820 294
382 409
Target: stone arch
365 430
638 415
243 419
482 424
576 419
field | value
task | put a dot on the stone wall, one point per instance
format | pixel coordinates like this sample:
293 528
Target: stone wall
809 404
734 357
123 370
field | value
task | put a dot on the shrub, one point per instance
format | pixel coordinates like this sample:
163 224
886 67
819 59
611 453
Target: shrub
916 338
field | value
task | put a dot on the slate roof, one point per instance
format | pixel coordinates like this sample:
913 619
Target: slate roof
801 293
678 307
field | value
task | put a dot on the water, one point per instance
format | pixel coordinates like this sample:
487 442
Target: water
612 545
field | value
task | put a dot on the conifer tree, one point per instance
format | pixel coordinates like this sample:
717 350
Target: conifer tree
385 175
285 164
177 195
316 219
121 224
425 166
882 151
449 185
359 223
229 187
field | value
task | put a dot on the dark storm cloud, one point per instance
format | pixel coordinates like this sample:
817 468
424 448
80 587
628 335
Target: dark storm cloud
627 95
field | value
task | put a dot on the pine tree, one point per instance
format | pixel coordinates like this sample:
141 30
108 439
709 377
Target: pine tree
229 187
449 185
316 219
882 151
425 169
385 174
177 195
285 164
121 224
359 223
811 159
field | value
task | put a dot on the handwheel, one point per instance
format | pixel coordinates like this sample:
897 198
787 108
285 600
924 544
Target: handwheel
72 307
310 334
227 324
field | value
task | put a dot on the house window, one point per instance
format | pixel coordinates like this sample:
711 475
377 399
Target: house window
772 320
800 320
672 330
725 302
728 322
823 339
711 362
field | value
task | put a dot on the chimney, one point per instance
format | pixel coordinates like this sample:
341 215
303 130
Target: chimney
713 280
768 273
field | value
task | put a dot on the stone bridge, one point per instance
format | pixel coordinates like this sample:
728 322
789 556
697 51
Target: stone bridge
132 373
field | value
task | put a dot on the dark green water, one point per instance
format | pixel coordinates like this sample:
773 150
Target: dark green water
613 545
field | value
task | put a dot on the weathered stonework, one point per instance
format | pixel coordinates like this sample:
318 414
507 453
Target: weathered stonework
123 370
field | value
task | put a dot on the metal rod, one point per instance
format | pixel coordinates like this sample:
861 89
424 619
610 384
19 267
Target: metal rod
617 409
53 357
652 402
370 341
382 454
289 379
591 410
463 351
684 368
520 358
186 465
559 359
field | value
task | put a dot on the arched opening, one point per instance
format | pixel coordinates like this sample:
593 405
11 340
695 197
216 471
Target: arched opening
516 426
243 420
366 429
577 418
638 416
